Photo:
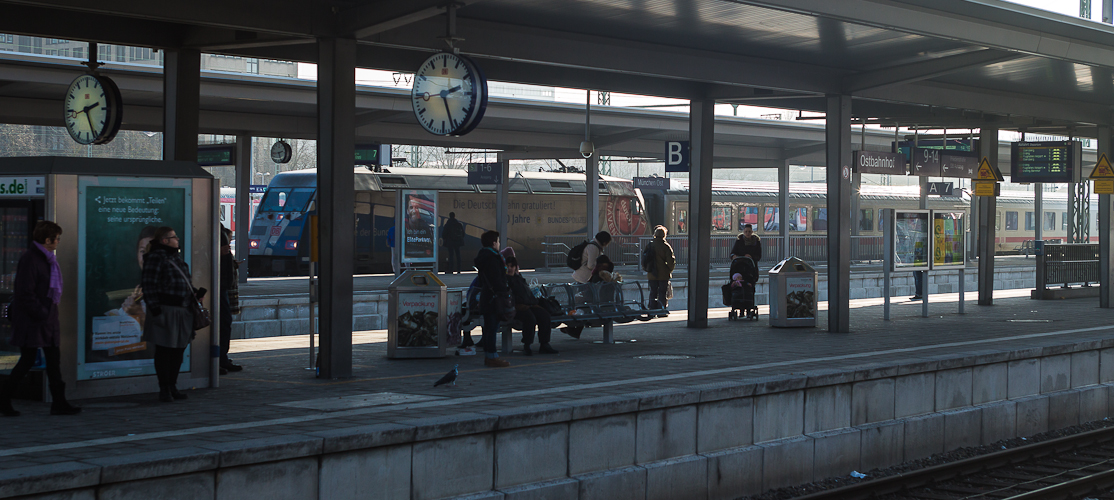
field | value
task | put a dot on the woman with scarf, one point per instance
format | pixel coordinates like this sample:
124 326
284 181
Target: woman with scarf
169 324
34 318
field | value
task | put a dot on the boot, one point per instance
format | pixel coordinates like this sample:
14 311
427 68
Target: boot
60 406
175 394
6 399
164 394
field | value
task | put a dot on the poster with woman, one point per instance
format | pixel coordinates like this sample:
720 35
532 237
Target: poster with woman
911 240
419 240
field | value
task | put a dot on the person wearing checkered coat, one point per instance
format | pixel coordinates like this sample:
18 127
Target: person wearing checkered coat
169 323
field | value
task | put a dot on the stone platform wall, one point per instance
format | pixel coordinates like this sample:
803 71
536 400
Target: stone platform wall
717 441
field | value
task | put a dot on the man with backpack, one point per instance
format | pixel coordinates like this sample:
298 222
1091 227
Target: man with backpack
582 258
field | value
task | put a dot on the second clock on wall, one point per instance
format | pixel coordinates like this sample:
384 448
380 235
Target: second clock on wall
93 109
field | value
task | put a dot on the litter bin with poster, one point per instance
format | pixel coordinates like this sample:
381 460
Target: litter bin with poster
416 316
793 291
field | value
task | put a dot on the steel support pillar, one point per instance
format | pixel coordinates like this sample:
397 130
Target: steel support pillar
988 208
1038 211
181 93
336 116
1106 250
701 138
783 209
592 194
856 185
243 203
838 137
502 202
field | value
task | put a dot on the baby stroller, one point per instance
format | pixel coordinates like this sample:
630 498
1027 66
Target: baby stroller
740 297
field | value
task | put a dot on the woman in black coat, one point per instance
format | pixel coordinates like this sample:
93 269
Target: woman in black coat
169 323
34 318
748 244
493 280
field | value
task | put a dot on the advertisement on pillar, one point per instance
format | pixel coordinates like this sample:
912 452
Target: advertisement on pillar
419 241
118 217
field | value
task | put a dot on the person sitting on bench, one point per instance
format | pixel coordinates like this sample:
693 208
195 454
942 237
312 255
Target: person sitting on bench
528 312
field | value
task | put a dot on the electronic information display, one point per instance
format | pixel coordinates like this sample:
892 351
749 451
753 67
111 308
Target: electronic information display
1046 161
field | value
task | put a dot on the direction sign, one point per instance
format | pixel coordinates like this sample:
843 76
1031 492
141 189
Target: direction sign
485 173
676 156
940 189
987 172
878 162
925 162
651 183
958 164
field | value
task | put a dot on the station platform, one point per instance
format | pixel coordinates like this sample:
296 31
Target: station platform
275 426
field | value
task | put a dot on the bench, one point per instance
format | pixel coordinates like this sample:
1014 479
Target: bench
586 304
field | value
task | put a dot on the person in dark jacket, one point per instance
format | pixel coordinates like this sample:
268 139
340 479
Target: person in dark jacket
228 284
452 238
34 318
167 291
528 312
664 264
748 244
493 277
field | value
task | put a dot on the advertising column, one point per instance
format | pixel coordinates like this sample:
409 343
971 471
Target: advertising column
118 216
419 234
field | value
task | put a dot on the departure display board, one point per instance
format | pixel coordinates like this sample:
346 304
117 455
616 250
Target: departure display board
1046 161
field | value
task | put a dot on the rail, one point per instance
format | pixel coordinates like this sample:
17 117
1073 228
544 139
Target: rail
1067 264
625 250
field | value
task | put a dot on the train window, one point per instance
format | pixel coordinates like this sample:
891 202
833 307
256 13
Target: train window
721 218
1029 221
819 219
1011 221
866 219
770 221
798 219
748 215
286 199
1063 221
682 221
881 220
998 221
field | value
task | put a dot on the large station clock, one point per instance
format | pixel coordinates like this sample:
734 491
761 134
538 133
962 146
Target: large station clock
449 94
93 109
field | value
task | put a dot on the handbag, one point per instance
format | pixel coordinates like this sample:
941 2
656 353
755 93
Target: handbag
669 290
199 312
551 306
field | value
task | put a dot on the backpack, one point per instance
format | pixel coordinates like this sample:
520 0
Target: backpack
648 261
575 258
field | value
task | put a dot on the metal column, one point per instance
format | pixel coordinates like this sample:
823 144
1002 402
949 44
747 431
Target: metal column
181 91
336 107
783 204
701 138
243 203
988 208
1106 250
502 202
592 194
1038 211
838 137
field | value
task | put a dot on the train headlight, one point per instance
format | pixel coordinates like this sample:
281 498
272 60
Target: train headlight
254 243
292 245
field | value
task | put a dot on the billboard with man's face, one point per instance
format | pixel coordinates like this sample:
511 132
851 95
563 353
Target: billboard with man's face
419 234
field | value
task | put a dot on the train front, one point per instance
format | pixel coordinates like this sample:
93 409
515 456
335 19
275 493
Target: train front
278 240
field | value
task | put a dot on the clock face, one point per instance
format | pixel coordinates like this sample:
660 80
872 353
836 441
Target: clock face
449 94
89 109
280 152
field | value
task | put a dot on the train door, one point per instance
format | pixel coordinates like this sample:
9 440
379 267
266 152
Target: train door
364 232
17 220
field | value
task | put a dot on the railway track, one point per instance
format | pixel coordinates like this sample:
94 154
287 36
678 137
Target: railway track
1071 467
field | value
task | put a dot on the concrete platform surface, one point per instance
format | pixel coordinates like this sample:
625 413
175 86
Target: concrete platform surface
276 396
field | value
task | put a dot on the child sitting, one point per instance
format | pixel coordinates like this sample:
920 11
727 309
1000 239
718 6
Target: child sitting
736 280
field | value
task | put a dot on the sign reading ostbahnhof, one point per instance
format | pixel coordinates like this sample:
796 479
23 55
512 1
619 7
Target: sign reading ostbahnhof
879 162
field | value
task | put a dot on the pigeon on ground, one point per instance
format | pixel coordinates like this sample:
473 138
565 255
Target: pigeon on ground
449 378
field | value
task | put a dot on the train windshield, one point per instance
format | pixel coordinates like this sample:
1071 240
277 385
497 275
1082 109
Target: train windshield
286 200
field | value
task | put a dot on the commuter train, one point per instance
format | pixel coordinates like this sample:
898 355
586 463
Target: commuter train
541 203
736 203
228 207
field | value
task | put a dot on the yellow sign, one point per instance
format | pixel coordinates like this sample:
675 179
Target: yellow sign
985 188
987 172
1104 186
1102 170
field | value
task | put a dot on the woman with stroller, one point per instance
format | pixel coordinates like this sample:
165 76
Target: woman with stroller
747 244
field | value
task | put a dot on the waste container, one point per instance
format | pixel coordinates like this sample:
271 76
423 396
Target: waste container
416 316
793 294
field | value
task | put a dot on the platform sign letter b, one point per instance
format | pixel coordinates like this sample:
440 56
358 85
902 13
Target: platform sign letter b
677 156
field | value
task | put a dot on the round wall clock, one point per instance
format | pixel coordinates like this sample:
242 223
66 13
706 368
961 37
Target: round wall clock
449 94
93 109
280 152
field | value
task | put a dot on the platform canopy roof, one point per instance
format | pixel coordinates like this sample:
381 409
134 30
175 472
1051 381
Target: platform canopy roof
956 63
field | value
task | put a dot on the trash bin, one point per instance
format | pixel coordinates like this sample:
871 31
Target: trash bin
793 294
416 316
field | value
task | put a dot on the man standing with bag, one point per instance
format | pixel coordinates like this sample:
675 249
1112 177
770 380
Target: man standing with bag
661 271
452 238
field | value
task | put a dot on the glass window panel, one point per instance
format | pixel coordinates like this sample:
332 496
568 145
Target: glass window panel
748 215
819 219
1029 221
866 219
1050 221
798 219
1011 221
721 218
770 222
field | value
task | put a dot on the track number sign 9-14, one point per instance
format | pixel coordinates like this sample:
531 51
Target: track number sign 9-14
449 94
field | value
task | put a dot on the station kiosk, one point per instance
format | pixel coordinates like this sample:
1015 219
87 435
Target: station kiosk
108 209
